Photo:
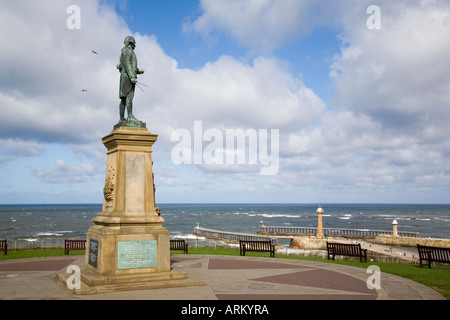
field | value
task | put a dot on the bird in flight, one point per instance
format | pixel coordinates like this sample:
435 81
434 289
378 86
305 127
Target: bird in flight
94 52
83 90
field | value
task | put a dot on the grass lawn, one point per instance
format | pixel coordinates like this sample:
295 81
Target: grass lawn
438 277
37 253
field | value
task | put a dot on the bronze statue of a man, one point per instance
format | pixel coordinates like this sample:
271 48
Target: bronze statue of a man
128 78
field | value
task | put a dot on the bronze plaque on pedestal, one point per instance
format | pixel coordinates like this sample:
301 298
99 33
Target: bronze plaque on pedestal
136 254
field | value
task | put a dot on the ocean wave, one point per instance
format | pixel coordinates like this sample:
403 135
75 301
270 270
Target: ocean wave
188 237
244 213
266 215
441 219
9 228
50 234
180 220
274 215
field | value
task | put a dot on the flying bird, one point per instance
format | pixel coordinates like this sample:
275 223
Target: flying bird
83 90
94 52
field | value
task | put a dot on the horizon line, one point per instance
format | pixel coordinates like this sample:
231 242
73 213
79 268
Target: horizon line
239 203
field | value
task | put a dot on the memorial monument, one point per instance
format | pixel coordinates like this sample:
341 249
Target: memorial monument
127 248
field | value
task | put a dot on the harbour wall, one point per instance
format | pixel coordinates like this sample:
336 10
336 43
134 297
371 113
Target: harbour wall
411 242
313 243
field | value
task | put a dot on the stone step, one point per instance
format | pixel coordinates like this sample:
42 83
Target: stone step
93 284
164 284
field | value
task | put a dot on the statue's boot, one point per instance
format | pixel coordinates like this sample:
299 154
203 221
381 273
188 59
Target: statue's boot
122 112
130 114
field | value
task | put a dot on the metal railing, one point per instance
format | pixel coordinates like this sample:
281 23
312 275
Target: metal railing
363 233
230 236
18 244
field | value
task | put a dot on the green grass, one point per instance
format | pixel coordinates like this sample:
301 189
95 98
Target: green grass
37 253
438 277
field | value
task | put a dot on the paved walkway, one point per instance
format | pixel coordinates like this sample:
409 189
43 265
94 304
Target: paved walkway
225 277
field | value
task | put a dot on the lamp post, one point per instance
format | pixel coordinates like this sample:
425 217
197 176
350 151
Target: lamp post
319 212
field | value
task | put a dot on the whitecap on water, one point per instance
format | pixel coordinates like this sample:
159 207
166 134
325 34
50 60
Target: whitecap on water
274 215
47 234
51 234
188 237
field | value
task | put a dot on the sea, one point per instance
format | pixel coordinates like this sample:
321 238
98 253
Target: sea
49 221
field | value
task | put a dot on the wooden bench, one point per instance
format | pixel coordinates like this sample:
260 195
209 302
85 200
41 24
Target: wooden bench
74 245
4 246
436 254
179 245
346 249
256 246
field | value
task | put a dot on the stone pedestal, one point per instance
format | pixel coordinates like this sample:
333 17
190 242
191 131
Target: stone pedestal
128 236
128 248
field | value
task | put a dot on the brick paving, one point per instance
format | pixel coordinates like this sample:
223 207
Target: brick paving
318 278
225 277
286 297
37 265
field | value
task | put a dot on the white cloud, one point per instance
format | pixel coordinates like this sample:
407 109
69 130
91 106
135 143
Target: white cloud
386 128
261 24
396 78
45 101
399 75
11 149
63 173
226 93
45 66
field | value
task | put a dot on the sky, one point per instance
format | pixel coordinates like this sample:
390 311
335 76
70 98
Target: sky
349 101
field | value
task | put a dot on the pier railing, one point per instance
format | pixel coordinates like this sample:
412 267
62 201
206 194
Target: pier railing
363 233
277 233
19 244
225 235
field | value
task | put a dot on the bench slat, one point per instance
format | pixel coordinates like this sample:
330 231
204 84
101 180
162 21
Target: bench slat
179 245
4 246
74 245
346 249
256 246
433 254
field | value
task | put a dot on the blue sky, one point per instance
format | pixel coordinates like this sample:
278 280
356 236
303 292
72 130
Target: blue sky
362 113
